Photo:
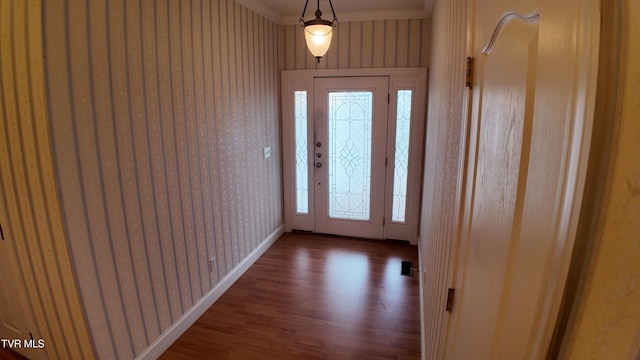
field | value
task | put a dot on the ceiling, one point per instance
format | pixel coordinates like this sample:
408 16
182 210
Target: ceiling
287 12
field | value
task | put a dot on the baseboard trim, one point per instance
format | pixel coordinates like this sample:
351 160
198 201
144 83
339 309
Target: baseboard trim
423 348
162 343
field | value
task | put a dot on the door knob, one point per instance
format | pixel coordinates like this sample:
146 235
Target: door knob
318 144
318 155
318 164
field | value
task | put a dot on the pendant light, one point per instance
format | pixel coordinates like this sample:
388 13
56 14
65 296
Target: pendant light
318 32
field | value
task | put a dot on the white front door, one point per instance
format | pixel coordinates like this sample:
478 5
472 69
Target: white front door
349 157
352 151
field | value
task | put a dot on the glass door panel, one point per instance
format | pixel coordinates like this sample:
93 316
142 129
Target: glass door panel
301 150
401 158
349 158
350 147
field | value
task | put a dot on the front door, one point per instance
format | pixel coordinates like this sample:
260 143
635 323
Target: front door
350 147
352 151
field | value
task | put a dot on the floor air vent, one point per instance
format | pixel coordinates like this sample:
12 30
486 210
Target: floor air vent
407 268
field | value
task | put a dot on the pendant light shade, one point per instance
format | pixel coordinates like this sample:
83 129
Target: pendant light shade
318 32
318 39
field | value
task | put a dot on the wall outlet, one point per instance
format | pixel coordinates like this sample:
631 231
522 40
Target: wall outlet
212 264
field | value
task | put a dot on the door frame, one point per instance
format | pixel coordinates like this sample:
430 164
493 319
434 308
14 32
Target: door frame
399 78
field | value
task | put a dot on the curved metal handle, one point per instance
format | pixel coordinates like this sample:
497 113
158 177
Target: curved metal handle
531 18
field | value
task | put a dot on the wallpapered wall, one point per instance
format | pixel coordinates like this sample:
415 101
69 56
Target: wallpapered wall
443 146
159 112
152 116
32 224
361 44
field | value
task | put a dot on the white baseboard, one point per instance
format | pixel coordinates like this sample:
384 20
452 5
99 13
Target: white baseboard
162 343
423 348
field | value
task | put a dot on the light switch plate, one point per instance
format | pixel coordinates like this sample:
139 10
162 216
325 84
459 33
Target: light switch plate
267 152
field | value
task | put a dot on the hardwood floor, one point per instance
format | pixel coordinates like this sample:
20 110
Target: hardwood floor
7 354
314 297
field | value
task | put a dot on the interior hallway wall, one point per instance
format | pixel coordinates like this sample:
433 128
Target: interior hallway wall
605 320
444 154
361 44
159 113
32 223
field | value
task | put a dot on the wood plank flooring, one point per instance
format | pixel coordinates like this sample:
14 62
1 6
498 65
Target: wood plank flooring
7 354
314 297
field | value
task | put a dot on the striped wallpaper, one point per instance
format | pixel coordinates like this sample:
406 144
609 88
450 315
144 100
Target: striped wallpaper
445 131
133 153
361 44
32 224
159 113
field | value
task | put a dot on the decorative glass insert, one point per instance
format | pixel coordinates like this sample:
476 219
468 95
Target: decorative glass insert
302 172
349 161
401 160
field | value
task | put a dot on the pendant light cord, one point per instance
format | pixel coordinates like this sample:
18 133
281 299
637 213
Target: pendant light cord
304 10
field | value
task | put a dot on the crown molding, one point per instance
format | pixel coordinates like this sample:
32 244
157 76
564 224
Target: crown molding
259 7
368 15
428 7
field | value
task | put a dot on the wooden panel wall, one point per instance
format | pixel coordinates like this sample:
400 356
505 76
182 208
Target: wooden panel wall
443 156
32 221
160 111
362 44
